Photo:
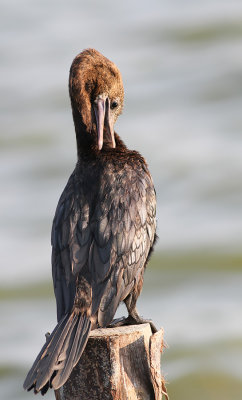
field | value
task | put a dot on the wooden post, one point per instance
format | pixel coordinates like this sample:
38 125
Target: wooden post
120 363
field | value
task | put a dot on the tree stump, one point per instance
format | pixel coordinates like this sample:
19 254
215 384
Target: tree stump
120 363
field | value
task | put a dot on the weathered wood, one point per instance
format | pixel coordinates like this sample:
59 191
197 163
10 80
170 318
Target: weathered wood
120 363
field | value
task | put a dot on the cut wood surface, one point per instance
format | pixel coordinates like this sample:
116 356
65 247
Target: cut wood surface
120 363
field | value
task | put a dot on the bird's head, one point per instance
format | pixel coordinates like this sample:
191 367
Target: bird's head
97 94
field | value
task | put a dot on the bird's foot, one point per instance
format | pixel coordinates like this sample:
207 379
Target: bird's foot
131 320
117 322
147 321
133 313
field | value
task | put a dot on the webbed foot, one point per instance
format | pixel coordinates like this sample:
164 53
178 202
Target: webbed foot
132 320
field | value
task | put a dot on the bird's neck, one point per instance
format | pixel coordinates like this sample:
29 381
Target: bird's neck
86 140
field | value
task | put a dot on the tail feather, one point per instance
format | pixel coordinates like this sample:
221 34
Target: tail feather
73 353
32 374
60 354
82 340
49 358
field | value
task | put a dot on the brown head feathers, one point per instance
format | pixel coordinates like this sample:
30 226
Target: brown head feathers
97 95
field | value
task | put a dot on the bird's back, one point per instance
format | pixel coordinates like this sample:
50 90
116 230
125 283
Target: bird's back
102 233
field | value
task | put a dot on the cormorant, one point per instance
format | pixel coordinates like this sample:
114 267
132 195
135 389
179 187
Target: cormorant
104 226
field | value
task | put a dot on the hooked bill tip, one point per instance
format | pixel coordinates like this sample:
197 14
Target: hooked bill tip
100 144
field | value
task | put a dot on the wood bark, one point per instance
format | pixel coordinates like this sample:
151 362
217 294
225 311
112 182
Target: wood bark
120 363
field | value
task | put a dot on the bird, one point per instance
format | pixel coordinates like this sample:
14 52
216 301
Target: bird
104 228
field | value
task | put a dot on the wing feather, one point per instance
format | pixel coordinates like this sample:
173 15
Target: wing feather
105 237
131 218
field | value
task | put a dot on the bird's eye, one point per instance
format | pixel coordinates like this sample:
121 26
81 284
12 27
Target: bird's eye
114 104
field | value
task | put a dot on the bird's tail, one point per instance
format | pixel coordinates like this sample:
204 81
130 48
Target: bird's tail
60 354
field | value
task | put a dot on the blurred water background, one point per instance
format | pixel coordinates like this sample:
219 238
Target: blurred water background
181 63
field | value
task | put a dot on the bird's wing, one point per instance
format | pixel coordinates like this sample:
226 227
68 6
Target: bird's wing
71 240
124 231
106 244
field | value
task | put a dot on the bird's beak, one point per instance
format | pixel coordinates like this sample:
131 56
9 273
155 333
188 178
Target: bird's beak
103 117
109 123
